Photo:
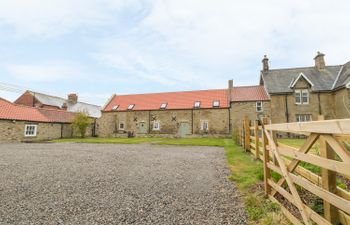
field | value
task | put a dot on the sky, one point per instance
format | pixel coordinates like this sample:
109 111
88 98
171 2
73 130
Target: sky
98 48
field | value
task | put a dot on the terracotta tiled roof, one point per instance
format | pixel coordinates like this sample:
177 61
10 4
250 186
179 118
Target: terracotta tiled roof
175 100
12 111
249 93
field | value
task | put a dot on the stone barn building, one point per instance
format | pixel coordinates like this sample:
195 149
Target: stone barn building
188 113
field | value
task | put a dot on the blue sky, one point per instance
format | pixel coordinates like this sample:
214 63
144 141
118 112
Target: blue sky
97 48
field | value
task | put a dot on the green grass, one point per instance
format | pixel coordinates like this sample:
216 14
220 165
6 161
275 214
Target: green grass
109 140
248 174
160 141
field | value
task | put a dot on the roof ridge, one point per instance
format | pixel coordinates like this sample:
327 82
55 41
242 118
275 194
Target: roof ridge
61 98
219 89
247 86
304 67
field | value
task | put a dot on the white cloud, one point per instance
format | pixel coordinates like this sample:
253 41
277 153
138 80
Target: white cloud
208 42
46 71
198 43
56 17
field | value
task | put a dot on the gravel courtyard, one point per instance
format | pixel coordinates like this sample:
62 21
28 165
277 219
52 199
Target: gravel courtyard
67 183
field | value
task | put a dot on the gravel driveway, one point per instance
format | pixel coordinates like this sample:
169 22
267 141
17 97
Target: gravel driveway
116 184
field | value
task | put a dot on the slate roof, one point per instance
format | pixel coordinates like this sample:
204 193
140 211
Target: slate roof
249 93
91 110
10 111
343 77
279 80
174 100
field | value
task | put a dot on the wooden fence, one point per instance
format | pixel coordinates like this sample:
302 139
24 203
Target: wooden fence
333 159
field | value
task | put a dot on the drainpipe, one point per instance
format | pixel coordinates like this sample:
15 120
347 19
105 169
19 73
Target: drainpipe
286 104
192 120
229 120
149 122
319 104
61 130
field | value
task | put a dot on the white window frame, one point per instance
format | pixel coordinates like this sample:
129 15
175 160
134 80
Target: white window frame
305 91
115 108
202 125
119 128
197 104
301 92
26 131
216 103
300 118
154 127
257 106
131 106
164 105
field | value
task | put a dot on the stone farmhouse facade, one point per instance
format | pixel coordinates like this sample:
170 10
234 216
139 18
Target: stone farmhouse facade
27 124
283 95
301 94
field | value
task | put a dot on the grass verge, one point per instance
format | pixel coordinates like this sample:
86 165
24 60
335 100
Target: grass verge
247 173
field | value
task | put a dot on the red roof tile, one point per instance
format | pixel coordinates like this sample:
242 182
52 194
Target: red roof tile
175 100
249 93
12 111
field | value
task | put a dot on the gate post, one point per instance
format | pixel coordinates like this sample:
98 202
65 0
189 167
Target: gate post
256 132
267 174
247 133
329 182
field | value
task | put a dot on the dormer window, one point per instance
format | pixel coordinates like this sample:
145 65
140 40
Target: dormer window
197 104
131 106
114 108
216 103
163 105
302 97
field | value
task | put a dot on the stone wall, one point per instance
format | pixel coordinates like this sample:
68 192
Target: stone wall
141 122
13 131
284 109
241 109
319 103
342 103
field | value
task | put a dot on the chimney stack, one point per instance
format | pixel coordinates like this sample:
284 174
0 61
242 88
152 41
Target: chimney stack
230 89
73 98
320 64
265 62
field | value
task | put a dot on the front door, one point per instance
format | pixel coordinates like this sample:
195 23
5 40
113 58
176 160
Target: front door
142 128
184 129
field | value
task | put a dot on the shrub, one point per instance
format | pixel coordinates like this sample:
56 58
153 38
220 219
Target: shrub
80 123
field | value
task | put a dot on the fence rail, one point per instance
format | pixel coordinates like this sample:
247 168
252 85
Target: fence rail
333 160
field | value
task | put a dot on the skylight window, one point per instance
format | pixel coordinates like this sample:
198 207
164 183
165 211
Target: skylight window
197 104
216 103
114 108
163 105
131 106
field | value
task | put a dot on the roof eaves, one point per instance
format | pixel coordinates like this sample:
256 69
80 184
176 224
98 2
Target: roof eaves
336 80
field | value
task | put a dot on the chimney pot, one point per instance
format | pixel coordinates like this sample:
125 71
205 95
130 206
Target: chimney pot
320 63
73 98
265 62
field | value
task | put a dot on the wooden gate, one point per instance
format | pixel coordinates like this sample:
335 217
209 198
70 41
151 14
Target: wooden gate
333 161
